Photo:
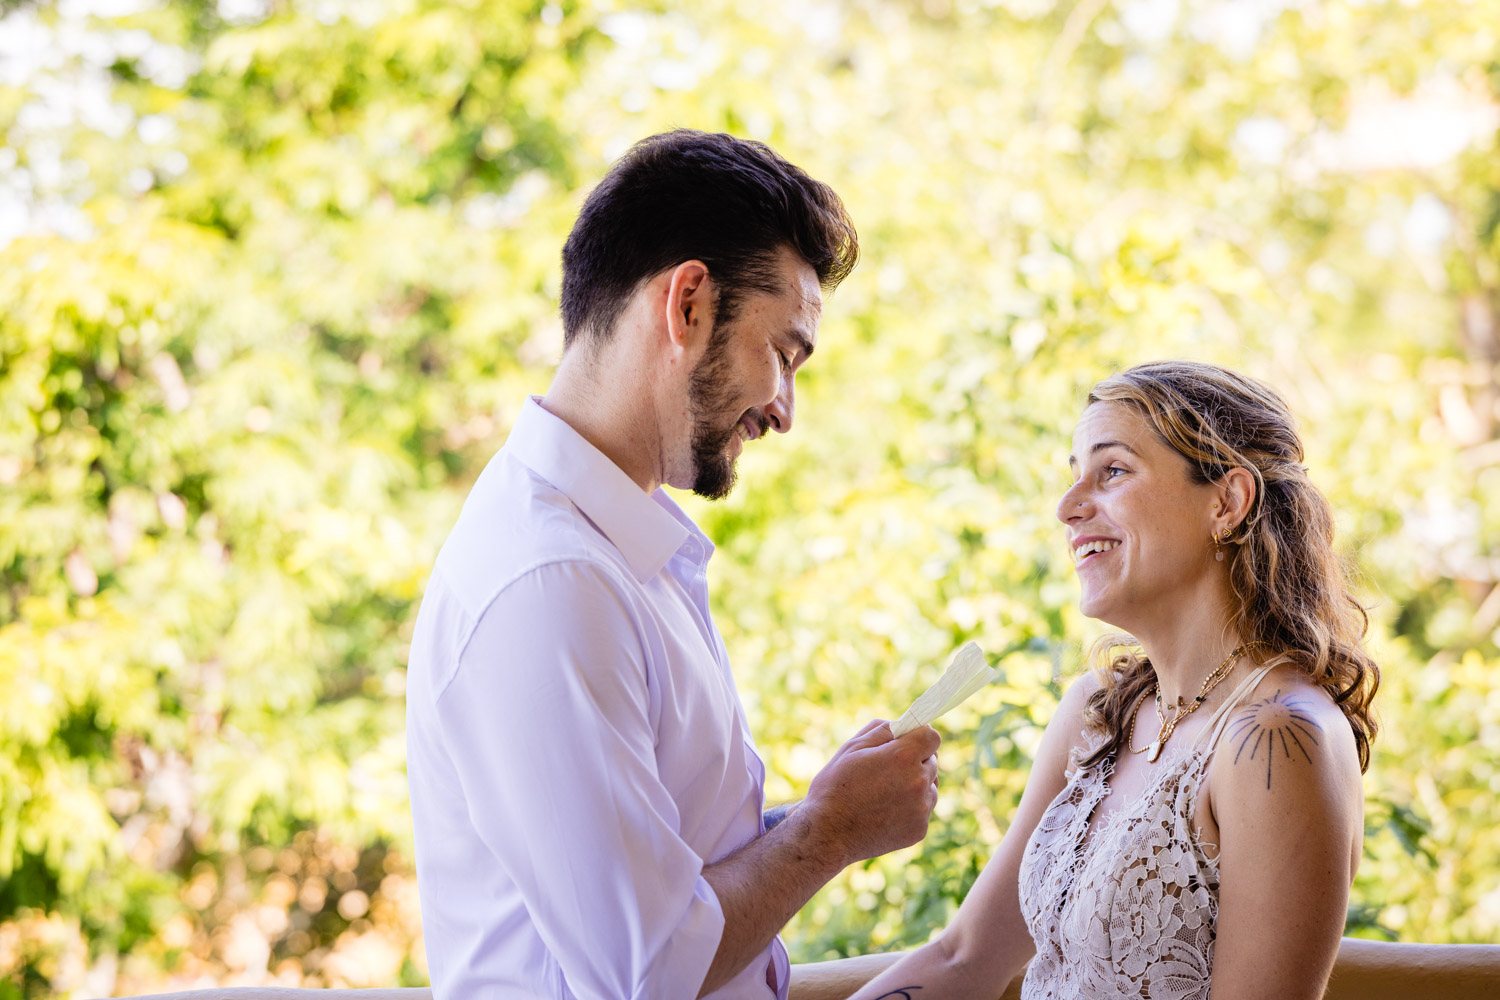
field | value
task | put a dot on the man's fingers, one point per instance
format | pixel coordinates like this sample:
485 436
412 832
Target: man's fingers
929 773
873 734
879 791
924 741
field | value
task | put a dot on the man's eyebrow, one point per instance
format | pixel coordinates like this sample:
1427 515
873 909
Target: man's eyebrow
803 341
1102 445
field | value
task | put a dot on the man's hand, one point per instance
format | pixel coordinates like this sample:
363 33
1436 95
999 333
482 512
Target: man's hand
876 794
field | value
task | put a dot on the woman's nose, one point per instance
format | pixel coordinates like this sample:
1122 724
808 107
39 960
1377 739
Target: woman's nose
1074 504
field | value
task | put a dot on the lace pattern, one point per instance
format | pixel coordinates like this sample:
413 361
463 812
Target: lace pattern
1130 913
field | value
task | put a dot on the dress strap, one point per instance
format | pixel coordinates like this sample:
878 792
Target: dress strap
1220 718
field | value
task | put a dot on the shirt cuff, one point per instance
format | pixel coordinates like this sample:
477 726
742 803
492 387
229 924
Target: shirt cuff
683 962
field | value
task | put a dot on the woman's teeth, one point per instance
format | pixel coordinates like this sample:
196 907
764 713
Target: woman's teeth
1089 548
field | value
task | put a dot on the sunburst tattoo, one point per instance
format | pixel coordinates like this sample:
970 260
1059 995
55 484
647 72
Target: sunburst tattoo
1271 721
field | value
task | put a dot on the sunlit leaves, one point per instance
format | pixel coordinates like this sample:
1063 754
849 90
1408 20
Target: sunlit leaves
237 421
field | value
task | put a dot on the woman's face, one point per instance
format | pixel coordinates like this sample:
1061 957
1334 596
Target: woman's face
1139 529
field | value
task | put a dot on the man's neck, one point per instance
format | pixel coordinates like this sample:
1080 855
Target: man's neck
609 404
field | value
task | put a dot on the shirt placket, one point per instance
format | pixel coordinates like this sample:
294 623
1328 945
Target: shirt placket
778 965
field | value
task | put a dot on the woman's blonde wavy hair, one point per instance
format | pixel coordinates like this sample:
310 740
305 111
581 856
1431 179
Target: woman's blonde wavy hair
1289 587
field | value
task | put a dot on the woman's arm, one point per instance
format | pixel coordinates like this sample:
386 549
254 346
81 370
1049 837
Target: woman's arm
988 942
1285 791
837 979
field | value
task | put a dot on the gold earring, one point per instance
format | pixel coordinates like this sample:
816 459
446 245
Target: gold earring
1218 549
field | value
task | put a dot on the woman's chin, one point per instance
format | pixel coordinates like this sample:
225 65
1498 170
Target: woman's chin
1102 610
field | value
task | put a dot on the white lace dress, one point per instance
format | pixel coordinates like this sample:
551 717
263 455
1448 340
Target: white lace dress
1130 910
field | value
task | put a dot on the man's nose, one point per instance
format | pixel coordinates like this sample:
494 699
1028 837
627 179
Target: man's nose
779 413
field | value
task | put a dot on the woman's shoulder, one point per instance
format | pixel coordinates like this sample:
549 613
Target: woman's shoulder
1070 730
1081 689
1057 755
1073 708
1287 744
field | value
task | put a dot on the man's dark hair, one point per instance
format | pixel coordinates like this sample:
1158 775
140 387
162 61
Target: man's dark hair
687 195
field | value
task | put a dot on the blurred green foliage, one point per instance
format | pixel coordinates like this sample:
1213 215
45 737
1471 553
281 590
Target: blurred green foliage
285 270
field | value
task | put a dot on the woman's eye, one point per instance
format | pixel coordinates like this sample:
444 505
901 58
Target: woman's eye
1112 471
786 362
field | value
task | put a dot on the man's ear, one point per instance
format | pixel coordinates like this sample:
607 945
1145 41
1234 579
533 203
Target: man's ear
689 315
1236 497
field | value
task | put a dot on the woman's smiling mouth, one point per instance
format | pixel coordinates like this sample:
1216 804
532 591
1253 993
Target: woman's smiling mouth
1085 549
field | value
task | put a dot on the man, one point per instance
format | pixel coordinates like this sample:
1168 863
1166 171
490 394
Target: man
588 801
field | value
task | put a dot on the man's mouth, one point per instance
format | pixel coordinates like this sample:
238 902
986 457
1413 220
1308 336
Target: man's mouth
1092 548
749 428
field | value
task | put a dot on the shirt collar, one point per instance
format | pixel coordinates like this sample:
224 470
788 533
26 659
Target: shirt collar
647 529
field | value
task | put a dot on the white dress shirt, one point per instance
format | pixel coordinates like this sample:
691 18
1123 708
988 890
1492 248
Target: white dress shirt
576 747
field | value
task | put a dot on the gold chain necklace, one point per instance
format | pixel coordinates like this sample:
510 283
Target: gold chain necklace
1168 726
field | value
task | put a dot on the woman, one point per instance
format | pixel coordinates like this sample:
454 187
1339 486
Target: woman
1193 819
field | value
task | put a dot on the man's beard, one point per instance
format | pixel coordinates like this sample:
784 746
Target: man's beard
711 392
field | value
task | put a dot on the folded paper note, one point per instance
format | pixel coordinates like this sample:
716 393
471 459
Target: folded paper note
965 675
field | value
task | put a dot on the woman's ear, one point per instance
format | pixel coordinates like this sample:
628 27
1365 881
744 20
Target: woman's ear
1236 492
